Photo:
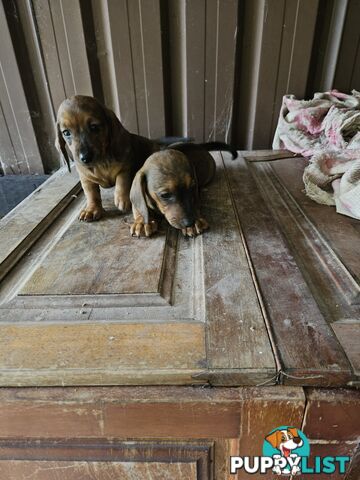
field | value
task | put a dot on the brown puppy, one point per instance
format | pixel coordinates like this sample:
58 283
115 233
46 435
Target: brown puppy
105 153
169 183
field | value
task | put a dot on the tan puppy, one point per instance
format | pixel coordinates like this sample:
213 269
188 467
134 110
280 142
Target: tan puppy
168 184
105 153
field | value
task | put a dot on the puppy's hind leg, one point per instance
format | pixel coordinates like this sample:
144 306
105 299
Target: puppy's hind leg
93 210
122 192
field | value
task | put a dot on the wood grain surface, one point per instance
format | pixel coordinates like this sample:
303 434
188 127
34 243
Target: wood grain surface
28 221
70 470
107 460
107 432
98 259
250 302
143 412
304 341
338 233
349 337
236 331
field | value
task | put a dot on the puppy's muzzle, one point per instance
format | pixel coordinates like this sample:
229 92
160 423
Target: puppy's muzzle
85 156
187 222
184 222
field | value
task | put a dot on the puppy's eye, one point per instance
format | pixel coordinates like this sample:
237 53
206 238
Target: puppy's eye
94 127
165 195
66 133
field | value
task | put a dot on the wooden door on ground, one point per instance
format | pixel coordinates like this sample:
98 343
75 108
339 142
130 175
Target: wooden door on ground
270 294
91 319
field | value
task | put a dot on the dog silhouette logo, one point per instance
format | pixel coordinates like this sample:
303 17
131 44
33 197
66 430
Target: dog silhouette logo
287 446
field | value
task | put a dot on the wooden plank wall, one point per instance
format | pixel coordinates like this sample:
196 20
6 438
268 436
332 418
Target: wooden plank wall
209 69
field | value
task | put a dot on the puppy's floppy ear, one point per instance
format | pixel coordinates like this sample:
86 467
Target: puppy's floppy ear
293 431
115 132
274 439
61 146
138 195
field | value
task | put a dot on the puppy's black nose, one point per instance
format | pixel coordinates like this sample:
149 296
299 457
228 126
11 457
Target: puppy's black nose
297 440
188 222
85 157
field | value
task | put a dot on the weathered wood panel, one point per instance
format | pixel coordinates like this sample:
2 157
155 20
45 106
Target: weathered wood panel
55 431
236 332
349 337
107 308
332 425
259 418
325 405
70 470
354 470
37 212
85 429
111 460
118 412
269 230
100 269
338 232
86 353
235 301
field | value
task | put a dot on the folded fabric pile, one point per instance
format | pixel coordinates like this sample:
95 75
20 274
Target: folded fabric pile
327 129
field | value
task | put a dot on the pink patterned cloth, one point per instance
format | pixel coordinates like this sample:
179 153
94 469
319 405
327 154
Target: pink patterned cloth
327 129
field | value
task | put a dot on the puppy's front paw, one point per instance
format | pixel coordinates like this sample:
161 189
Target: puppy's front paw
122 203
140 229
197 229
277 470
90 214
295 470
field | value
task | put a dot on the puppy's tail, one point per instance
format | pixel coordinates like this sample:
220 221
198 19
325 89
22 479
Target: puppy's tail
166 141
211 146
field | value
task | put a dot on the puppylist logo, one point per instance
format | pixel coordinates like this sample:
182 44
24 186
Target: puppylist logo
286 451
